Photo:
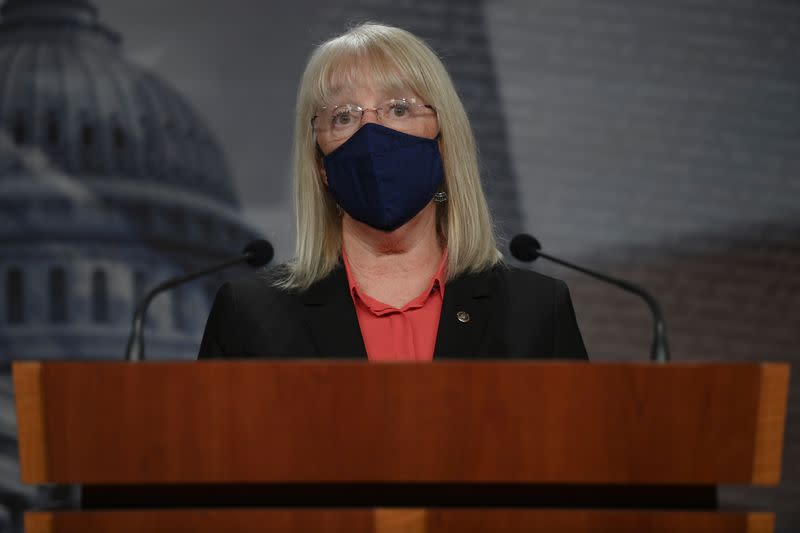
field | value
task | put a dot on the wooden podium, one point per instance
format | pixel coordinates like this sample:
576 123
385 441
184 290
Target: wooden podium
425 448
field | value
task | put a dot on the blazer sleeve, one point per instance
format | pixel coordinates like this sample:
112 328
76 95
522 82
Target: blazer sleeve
567 342
220 331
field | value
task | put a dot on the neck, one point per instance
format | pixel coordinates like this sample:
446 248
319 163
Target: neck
411 250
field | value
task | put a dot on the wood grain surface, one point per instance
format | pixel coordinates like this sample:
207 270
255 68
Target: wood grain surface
770 419
31 434
398 521
454 422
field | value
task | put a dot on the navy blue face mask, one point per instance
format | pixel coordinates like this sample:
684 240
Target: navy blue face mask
383 177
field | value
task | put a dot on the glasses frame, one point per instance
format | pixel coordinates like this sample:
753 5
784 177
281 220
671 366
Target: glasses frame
378 110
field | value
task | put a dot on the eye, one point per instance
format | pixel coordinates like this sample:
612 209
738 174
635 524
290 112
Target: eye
341 116
398 108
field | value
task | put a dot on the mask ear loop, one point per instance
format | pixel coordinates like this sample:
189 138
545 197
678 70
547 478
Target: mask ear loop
321 156
439 197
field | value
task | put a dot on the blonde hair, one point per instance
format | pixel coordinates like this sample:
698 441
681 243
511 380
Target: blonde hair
394 58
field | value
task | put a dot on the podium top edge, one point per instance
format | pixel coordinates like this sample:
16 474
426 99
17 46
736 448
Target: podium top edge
449 362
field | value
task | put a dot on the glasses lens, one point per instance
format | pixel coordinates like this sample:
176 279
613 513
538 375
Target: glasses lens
397 113
402 113
343 120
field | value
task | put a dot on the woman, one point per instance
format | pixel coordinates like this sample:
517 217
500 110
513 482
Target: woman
395 256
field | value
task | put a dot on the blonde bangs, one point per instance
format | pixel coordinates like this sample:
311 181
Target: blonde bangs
346 70
350 59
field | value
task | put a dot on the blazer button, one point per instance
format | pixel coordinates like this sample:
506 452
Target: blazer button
462 316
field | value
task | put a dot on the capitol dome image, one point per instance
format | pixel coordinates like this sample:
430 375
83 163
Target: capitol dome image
110 182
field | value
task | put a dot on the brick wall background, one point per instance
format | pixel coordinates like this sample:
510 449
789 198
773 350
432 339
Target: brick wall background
659 141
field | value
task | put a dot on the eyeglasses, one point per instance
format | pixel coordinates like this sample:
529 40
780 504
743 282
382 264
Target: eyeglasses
343 120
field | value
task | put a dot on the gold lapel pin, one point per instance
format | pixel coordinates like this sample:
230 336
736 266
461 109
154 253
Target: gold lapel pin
462 316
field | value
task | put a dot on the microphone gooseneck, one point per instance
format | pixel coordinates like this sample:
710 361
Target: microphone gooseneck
527 248
256 254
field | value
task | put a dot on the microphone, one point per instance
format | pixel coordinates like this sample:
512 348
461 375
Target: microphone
256 254
527 248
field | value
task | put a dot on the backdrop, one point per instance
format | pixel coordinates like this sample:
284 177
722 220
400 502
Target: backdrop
659 141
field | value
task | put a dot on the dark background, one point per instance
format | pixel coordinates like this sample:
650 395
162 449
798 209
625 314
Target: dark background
657 140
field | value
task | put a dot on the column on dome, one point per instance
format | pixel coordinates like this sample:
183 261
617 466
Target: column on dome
57 294
13 294
99 299
35 293
119 292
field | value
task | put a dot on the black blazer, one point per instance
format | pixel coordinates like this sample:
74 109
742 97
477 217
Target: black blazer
513 314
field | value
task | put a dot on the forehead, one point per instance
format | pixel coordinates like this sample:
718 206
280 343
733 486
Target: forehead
350 80
365 94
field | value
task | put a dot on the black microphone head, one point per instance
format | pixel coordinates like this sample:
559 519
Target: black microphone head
259 252
525 247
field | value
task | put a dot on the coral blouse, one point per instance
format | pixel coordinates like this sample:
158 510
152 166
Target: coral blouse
406 334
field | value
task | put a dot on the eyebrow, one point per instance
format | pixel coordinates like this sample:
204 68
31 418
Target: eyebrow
336 90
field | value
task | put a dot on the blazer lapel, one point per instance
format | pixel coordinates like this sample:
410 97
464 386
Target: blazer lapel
331 318
465 316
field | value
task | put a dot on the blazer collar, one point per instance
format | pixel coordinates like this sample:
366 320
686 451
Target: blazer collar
465 316
332 321
331 317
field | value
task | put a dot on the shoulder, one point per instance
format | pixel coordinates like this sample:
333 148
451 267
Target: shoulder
264 288
519 282
259 288
262 281
243 307
510 287
250 303
540 305
521 277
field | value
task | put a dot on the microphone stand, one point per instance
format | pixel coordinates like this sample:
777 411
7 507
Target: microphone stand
135 349
257 253
659 350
